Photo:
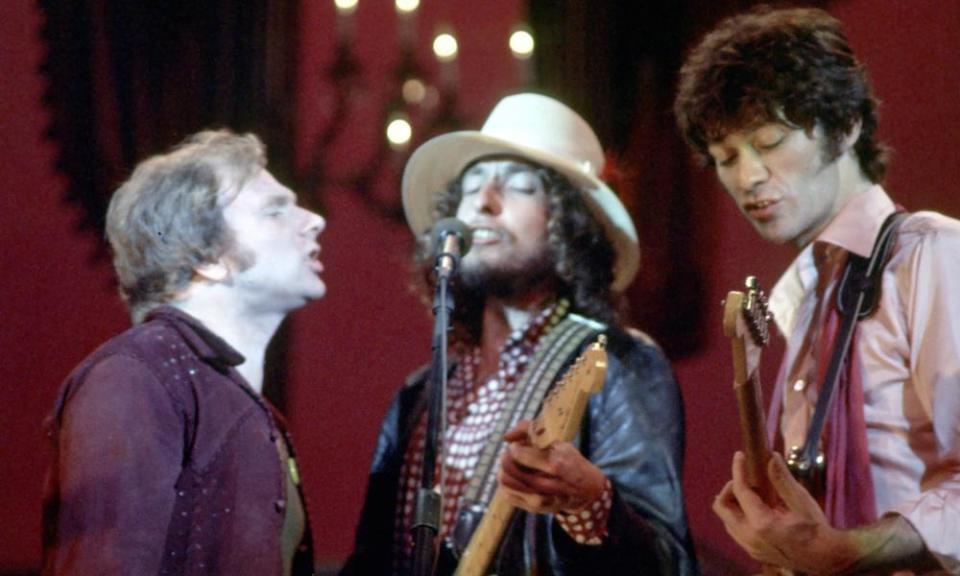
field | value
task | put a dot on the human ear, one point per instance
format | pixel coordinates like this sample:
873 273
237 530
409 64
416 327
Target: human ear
851 137
213 272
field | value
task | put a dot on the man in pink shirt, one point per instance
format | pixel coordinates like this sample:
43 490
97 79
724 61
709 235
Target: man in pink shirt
776 102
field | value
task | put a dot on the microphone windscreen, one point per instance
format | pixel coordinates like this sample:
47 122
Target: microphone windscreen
447 226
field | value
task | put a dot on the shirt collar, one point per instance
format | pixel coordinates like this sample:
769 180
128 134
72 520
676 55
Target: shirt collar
788 292
857 224
208 346
853 229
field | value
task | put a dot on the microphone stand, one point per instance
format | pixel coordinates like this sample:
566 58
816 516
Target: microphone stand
426 519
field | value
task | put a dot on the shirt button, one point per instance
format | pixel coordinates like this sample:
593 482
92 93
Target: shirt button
280 505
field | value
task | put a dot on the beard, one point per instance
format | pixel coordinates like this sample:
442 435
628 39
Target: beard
507 281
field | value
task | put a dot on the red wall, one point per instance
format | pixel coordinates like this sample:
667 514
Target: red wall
351 350
56 304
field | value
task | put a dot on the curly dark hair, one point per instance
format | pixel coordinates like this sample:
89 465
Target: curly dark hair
768 65
582 255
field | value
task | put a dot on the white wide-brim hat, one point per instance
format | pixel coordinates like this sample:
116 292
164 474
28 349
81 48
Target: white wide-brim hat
539 129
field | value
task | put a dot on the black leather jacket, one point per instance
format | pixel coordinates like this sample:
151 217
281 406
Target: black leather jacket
633 432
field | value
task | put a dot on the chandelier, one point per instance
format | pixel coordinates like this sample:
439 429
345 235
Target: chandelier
418 101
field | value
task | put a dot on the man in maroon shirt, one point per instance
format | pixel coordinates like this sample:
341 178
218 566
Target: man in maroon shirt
167 459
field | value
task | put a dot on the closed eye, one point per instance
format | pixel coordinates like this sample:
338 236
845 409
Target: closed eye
523 180
770 145
278 206
522 189
726 162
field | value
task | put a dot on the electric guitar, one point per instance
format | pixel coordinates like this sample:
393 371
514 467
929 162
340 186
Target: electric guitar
745 319
745 322
558 421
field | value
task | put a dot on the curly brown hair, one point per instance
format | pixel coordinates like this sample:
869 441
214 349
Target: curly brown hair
582 255
772 65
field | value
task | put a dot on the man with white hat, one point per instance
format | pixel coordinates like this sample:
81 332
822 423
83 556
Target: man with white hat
552 247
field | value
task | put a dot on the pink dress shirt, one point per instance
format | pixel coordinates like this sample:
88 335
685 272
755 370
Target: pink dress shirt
910 358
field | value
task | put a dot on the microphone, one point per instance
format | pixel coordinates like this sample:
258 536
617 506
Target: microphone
453 239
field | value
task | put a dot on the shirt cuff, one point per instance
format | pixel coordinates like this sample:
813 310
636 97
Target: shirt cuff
589 524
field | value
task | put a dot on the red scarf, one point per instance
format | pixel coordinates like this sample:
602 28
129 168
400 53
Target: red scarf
849 498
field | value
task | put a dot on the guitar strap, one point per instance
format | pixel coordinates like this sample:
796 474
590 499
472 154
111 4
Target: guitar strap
857 297
553 352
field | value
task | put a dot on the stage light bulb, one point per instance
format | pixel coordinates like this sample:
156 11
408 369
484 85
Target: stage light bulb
407 6
345 6
521 43
414 91
445 47
399 131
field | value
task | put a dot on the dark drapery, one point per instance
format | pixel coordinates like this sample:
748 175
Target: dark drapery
128 78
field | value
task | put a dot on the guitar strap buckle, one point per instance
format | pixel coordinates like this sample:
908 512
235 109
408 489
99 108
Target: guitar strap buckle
808 472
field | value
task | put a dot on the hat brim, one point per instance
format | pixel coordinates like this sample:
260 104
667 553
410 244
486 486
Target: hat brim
442 159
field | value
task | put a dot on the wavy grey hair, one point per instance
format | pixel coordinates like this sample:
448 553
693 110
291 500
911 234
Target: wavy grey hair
167 219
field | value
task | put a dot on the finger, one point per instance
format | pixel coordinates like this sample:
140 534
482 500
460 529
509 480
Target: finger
578 482
533 458
736 526
527 480
755 510
793 494
746 524
527 501
725 505
584 482
518 433
568 464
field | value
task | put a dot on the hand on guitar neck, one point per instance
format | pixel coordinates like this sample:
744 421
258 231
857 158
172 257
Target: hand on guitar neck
557 478
540 470
765 509
792 532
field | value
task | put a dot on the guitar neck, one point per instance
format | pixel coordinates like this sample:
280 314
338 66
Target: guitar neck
745 318
486 538
753 431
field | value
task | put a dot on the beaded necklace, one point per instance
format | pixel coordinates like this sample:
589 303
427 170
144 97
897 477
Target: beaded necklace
473 408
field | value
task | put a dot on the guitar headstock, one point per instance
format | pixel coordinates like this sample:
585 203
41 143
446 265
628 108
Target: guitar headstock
746 322
562 409
747 313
